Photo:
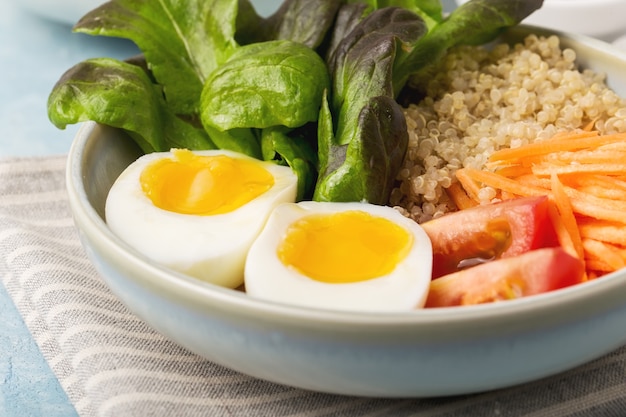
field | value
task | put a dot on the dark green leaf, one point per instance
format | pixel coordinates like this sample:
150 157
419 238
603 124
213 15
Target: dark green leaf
348 17
480 21
302 21
475 22
431 11
360 157
366 167
362 65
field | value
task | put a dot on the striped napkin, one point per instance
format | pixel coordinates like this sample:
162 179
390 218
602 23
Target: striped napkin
110 363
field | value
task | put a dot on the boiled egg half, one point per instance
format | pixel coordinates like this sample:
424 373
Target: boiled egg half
197 212
340 256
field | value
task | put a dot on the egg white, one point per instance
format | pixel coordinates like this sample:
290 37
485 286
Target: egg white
405 288
212 248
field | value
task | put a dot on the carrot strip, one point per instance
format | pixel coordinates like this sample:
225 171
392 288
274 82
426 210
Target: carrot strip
469 185
589 126
503 183
595 156
563 236
459 197
513 171
607 169
534 181
564 206
615 146
601 192
601 251
606 203
575 141
606 231
581 206
599 267
604 181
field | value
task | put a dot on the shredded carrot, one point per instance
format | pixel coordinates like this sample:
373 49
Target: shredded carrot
502 183
603 252
605 231
597 156
600 180
589 126
459 197
601 183
566 212
563 236
598 268
606 204
603 192
469 185
534 181
584 174
571 142
615 146
514 171
546 169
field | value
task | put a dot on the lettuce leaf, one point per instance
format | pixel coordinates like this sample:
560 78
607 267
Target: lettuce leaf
360 156
265 84
313 86
183 41
104 89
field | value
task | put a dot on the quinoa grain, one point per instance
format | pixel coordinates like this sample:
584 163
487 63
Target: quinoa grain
482 100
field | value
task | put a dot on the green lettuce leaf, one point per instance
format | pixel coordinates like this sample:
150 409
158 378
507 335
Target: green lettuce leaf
273 83
360 156
362 64
183 41
365 168
293 148
431 11
122 95
473 23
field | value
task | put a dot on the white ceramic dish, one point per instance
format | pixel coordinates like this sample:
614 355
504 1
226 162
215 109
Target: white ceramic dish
598 18
421 353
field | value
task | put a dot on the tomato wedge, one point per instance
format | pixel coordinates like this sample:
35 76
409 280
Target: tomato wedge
488 232
533 272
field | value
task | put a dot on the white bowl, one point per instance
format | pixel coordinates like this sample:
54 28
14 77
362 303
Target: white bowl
421 353
598 18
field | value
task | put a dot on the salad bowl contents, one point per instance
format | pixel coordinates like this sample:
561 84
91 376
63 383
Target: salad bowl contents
417 269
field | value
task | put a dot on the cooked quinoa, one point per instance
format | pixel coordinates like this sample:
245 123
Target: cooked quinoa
482 100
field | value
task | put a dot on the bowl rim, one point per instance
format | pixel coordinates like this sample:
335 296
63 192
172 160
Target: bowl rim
557 307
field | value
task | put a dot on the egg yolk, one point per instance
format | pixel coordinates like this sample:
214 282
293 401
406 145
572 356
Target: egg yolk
189 183
344 247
